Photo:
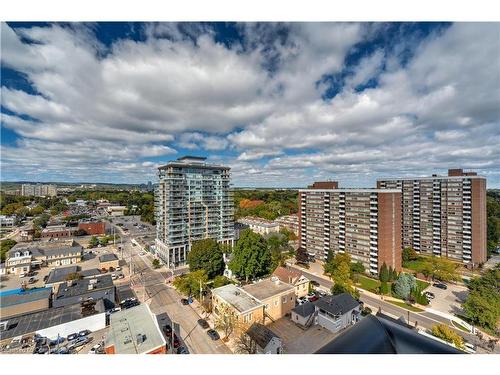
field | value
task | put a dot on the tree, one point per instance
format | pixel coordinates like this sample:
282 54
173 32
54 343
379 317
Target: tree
37 210
277 243
220 281
206 255
357 268
482 306
439 268
301 256
446 333
384 273
339 269
251 256
384 288
74 276
245 344
93 242
104 241
408 254
5 246
404 285
156 263
189 284
225 320
418 295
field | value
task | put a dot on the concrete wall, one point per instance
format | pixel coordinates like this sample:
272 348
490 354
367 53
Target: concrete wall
280 305
92 323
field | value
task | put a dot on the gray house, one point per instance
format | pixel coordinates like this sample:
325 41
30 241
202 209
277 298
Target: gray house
267 342
337 312
303 315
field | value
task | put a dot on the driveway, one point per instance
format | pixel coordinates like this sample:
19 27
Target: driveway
299 341
450 300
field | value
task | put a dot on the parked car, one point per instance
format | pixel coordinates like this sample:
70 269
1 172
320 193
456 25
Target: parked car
121 276
31 280
63 350
176 343
429 295
314 283
45 278
114 309
84 333
313 298
470 348
301 300
182 350
440 286
95 349
212 333
113 276
80 341
72 336
203 323
56 341
167 329
184 301
118 268
42 350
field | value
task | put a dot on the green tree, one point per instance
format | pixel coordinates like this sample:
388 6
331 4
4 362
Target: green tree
418 295
404 285
339 269
384 273
408 254
190 284
493 220
206 255
440 268
357 268
384 288
482 306
251 256
104 241
37 210
220 281
93 242
5 246
156 263
277 244
446 333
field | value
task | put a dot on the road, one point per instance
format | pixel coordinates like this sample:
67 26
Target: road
150 286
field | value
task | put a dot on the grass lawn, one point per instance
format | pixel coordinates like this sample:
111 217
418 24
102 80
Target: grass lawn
459 326
367 283
415 265
422 284
405 306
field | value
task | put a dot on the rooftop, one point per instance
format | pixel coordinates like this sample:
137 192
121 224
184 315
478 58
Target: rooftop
287 275
261 334
20 296
89 273
60 274
337 305
305 310
79 287
134 331
264 289
351 190
237 298
108 257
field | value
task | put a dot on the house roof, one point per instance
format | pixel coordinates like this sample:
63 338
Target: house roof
339 304
287 275
265 289
89 273
20 296
60 274
44 249
79 287
134 331
238 298
108 257
305 310
261 334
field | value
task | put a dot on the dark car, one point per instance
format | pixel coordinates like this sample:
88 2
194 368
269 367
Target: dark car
176 343
84 333
440 286
182 350
42 350
167 329
314 283
184 301
31 280
203 323
45 278
212 333
72 336
57 341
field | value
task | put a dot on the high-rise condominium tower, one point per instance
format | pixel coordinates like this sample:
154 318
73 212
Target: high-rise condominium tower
192 202
366 223
444 215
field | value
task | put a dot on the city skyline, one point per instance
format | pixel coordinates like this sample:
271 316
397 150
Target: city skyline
282 104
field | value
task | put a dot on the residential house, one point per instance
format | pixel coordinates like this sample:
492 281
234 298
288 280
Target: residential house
303 315
260 226
293 277
266 341
233 299
337 312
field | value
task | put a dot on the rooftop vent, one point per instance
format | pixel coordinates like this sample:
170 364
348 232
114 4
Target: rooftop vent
91 286
237 293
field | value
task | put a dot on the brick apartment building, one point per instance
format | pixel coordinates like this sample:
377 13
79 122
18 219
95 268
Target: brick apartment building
444 215
366 223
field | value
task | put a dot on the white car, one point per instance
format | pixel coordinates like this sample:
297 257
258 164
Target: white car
95 349
470 348
118 268
113 276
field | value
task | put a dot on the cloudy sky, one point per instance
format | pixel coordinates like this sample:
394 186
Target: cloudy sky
282 104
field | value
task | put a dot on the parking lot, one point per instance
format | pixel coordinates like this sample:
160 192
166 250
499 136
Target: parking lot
299 341
449 300
133 225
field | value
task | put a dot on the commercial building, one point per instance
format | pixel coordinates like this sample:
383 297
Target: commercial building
444 215
77 291
39 190
92 227
108 261
289 222
260 226
293 277
192 202
17 302
366 223
116 210
135 331
232 299
56 231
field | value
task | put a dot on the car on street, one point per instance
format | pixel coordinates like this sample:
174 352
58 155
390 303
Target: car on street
176 343
184 301
212 333
80 341
203 323
182 350
84 333
429 295
440 286
470 348
72 336
31 280
113 310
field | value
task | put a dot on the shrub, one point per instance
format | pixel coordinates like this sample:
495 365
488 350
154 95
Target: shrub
404 285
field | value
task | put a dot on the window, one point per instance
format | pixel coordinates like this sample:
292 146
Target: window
276 302
284 299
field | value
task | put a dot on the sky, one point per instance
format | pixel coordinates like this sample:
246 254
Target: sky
282 104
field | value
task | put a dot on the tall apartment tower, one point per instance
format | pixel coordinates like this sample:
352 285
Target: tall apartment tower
444 215
366 223
192 202
38 190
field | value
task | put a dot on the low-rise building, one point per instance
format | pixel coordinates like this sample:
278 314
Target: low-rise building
56 231
107 261
267 342
77 291
337 312
135 331
27 232
278 297
7 221
293 277
116 210
232 299
92 227
260 226
303 315
22 301
289 222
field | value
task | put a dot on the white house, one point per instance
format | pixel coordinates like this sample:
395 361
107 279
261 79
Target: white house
267 342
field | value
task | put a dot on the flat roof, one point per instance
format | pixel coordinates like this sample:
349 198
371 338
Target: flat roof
430 178
347 190
134 331
80 287
107 257
59 274
264 289
19 296
238 298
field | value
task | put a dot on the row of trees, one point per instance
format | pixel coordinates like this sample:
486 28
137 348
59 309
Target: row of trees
267 204
342 273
